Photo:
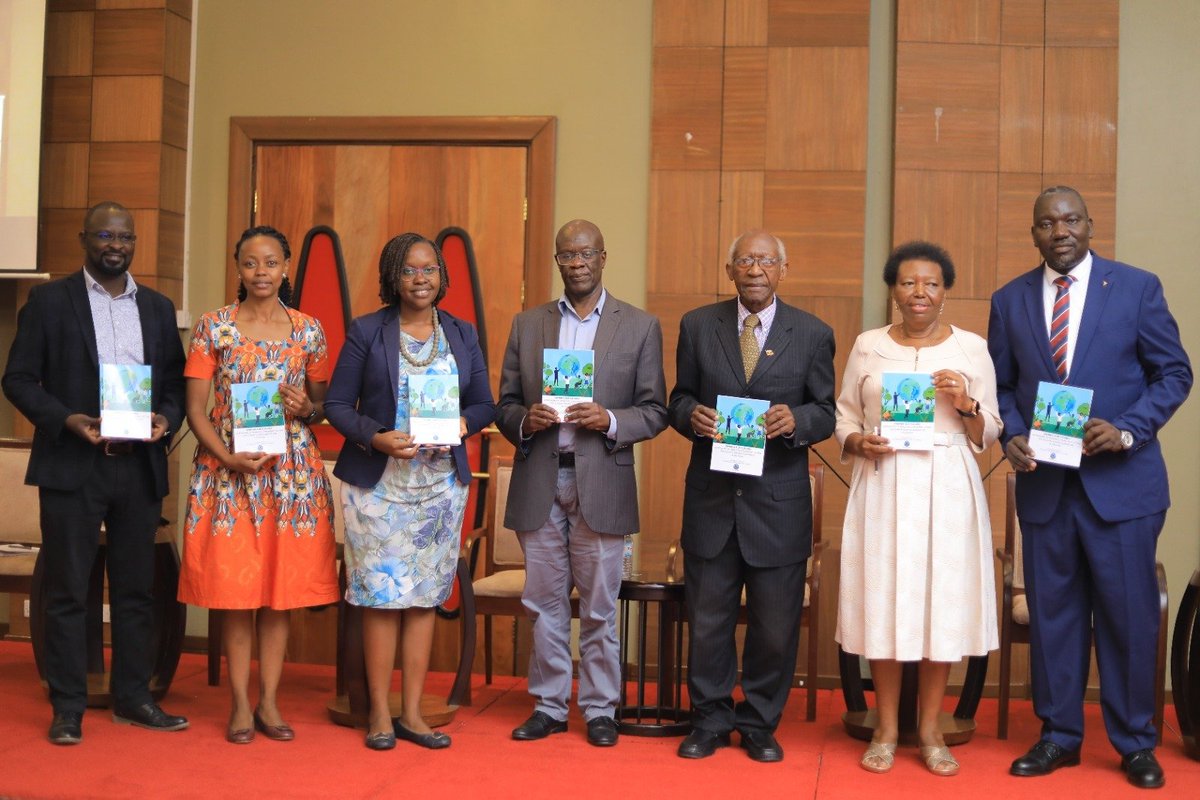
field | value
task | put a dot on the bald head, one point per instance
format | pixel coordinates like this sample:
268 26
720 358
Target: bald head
579 226
579 251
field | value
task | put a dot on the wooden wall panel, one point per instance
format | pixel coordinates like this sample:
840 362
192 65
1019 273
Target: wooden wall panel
68 43
1082 23
173 180
817 97
127 108
688 23
683 232
175 113
1081 110
949 21
744 109
64 178
947 106
288 206
129 43
67 110
59 251
1015 252
819 216
818 23
361 182
685 127
1021 99
1023 22
746 23
742 200
127 172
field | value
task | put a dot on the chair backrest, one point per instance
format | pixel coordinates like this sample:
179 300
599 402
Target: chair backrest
1012 531
503 549
21 521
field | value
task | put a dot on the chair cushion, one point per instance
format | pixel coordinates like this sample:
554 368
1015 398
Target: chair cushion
19 565
505 583
1020 609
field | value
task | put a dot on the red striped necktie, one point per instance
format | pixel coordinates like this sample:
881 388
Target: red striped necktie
1060 325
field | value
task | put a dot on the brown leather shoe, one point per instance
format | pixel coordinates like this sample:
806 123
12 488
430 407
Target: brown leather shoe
243 736
278 733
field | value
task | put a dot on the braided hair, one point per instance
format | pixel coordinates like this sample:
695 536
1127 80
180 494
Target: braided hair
391 261
285 288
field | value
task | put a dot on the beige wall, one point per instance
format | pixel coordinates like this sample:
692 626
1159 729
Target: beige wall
587 62
1158 196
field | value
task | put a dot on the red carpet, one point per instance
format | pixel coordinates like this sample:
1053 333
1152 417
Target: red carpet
328 761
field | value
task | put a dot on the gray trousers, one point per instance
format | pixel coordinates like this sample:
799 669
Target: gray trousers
563 554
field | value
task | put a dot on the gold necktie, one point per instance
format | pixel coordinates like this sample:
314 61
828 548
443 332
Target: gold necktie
749 345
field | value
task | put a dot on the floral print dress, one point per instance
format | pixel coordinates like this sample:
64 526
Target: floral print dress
402 535
264 539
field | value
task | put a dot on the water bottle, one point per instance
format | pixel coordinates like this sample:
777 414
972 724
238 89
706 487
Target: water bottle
627 563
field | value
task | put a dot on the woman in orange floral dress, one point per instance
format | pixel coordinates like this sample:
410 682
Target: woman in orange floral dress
259 532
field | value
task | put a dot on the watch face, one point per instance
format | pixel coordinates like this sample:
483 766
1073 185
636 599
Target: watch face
1126 439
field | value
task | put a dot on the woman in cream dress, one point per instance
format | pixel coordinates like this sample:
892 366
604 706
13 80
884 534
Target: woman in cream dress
916 565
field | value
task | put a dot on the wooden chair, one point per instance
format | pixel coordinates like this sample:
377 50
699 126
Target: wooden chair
811 613
1014 615
498 590
20 524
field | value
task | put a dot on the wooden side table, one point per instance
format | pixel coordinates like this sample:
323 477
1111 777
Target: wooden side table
665 716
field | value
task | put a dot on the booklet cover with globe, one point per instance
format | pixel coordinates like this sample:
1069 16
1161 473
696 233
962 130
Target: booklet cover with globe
741 440
567 378
258 423
1059 414
906 413
433 414
125 395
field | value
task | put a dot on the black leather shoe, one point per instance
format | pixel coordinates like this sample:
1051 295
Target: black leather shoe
702 744
761 745
433 741
602 731
1142 769
380 741
149 716
1042 759
538 726
66 728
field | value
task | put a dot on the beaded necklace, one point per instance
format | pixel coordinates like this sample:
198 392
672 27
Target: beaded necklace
433 350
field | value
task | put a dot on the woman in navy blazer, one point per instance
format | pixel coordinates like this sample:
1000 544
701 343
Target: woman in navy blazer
403 503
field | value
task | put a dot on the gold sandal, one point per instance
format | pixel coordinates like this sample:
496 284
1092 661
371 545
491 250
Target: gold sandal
879 757
939 761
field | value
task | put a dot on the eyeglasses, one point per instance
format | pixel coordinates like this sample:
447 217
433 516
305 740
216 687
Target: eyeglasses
762 261
412 272
568 256
109 236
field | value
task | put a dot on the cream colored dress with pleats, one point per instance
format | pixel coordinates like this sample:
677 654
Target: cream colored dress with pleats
916 562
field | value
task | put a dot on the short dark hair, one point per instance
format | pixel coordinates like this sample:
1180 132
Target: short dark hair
1051 190
104 205
391 261
285 288
924 251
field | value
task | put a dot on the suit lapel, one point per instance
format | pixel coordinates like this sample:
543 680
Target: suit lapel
727 335
1099 289
550 325
606 330
149 322
777 341
77 290
1035 309
390 331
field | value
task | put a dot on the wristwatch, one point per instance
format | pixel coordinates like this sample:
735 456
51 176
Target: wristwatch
1126 440
974 412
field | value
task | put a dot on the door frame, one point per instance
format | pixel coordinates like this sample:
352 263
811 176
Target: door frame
535 134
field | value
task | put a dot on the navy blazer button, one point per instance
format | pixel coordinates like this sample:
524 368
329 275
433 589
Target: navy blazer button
738 492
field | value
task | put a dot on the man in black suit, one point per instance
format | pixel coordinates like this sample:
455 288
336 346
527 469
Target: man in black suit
67 329
743 531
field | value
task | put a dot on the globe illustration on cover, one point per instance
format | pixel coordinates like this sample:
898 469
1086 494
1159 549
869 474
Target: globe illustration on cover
257 397
908 389
1063 402
435 389
742 414
569 366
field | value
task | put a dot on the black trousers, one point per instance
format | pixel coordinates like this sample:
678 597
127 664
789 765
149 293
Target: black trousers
120 493
774 604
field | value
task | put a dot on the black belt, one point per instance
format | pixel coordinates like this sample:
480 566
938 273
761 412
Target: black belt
566 460
118 448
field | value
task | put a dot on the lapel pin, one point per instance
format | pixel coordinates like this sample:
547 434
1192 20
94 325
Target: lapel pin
769 352
1104 283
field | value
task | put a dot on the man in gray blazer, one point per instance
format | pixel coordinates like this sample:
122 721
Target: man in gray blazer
739 530
573 496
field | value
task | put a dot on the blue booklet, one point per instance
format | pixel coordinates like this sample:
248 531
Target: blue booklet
433 411
741 440
1056 431
906 410
125 401
567 378
258 422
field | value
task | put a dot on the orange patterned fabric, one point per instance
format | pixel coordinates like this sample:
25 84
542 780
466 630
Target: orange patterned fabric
264 539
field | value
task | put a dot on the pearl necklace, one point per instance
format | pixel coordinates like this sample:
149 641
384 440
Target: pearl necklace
433 350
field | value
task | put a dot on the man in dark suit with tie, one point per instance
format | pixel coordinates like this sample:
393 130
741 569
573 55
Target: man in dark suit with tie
743 531
1089 535
573 494
67 329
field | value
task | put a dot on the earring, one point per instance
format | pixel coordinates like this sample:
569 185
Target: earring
896 306
941 308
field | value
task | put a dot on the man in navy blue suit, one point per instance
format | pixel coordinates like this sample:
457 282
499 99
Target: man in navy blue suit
1089 534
